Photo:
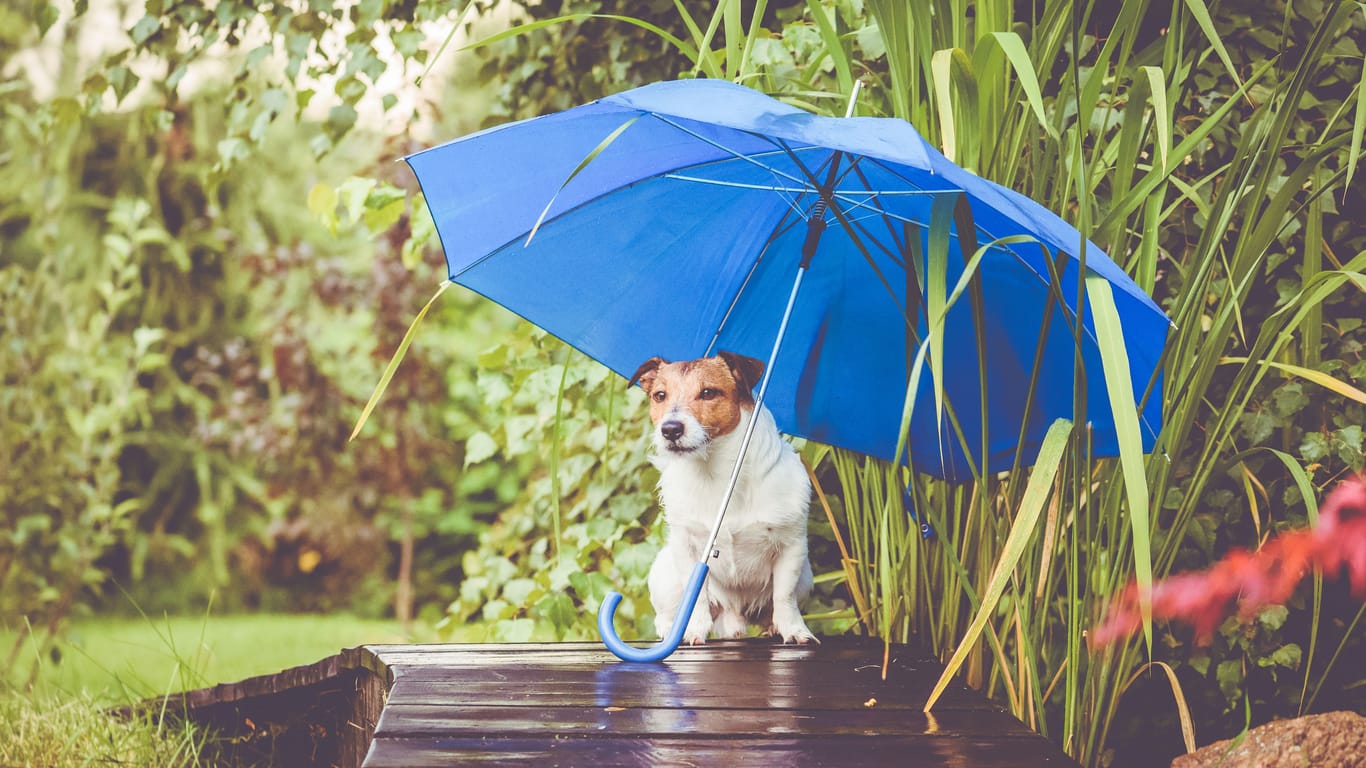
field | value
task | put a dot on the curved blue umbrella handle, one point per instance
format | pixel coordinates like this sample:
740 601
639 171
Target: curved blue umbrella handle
668 645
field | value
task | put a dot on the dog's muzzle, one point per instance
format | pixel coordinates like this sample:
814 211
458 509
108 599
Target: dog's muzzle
680 433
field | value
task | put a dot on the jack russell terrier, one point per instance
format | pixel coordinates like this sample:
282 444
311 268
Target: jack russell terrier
700 409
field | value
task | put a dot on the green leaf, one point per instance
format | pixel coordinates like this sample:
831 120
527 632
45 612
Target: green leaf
1273 616
558 609
122 80
1288 656
340 119
352 195
1018 56
395 360
322 203
1318 377
47 15
1124 407
1199 10
1037 491
479 447
1230 677
1162 118
513 631
144 29
517 591
1358 123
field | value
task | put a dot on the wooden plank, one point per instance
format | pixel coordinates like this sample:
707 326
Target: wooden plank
903 752
402 719
748 702
737 686
756 649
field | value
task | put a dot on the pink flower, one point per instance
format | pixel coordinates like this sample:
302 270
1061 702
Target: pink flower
1254 580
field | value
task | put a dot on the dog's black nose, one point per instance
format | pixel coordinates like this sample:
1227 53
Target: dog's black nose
671 430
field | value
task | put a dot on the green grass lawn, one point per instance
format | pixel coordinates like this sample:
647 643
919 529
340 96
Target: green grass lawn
116 660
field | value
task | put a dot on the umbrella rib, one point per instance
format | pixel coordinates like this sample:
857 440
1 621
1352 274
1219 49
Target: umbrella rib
846 224
735 154
782 226
737 184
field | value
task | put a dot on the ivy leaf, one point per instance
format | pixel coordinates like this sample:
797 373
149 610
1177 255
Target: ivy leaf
1230 676
559 610
1287 656
1290 399
480 447
322 203
47 16
144 29
1273 616
340 119
1314 447
1349 445
122 80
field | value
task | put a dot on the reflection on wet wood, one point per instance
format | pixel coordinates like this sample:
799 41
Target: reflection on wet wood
737 703
749 702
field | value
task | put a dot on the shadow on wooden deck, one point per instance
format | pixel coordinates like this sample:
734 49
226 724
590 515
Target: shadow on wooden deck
745 702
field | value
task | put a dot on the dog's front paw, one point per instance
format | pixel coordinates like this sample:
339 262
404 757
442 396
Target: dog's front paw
694 639
794 633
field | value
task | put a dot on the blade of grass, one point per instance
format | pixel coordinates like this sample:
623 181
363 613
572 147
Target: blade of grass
843 73
590 157
394 361
1118 383
1318 377
703 61
1014 49
461 19
1036 493
1183 711
1200 11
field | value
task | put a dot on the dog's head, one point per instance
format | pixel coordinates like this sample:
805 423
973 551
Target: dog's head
696 401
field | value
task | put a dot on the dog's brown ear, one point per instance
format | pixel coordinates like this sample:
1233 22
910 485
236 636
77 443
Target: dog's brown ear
746 370
645 374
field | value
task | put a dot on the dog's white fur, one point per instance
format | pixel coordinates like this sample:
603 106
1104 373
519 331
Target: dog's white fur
761 571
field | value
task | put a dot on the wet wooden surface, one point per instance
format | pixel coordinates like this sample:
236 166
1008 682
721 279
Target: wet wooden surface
737 703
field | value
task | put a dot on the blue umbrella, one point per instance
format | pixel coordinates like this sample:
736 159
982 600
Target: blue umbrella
682 218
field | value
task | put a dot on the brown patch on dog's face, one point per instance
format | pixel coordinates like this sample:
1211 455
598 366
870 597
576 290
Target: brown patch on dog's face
711 390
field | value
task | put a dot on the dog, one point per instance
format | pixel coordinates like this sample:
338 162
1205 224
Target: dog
760 571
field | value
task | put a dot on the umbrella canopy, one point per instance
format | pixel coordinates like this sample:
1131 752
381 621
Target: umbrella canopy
670 220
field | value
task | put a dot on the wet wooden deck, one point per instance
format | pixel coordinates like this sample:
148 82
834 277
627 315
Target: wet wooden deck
738 703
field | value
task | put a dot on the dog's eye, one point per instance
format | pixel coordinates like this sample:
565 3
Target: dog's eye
709 394
659 396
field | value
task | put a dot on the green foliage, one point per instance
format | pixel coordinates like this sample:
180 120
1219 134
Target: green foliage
183 346
579 525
